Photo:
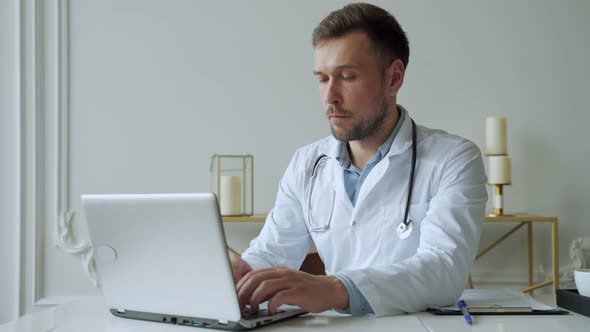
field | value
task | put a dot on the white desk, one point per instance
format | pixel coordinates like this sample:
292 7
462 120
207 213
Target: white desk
90 315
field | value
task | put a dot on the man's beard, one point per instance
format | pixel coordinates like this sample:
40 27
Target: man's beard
360 130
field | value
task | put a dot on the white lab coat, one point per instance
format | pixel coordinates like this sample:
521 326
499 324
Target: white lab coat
430 267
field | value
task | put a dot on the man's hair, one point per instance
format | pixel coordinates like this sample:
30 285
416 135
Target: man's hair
388 39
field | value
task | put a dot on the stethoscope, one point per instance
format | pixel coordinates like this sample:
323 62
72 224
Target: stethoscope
404 229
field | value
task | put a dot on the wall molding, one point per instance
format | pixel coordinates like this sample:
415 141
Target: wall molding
65 238
46 62
20 162
36 136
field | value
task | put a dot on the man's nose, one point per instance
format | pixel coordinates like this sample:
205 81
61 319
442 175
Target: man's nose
332 93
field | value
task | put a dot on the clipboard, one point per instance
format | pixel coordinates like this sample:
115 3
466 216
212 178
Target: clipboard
447 312
498 302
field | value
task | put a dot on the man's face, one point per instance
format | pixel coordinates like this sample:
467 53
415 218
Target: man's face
353 86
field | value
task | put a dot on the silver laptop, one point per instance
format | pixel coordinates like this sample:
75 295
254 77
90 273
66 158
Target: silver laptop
163 258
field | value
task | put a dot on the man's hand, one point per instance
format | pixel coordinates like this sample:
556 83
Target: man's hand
239 267
281 286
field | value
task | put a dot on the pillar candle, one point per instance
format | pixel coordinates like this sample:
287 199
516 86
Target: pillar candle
498 201
499 171
496 135
230 189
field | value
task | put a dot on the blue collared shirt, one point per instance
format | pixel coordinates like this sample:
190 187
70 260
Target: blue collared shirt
353 180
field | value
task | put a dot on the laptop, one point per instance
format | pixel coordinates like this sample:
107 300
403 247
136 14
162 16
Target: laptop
163 258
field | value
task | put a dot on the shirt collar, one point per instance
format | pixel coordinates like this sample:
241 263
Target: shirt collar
343 157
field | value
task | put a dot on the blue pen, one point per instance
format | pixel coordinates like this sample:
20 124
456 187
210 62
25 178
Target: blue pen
465 312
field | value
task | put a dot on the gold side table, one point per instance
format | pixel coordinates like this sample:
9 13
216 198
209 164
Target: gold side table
252 218
529 220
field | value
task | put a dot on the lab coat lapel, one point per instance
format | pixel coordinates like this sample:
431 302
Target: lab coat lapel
336 174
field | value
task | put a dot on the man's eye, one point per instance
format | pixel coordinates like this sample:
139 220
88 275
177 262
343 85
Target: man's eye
348 78
323 80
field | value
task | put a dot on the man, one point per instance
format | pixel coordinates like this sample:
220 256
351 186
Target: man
347 193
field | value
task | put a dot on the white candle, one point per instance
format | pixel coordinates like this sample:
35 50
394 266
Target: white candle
498 201
496 135
230 195
499 171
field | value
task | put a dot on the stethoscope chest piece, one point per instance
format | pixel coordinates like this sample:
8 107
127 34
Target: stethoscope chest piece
404 230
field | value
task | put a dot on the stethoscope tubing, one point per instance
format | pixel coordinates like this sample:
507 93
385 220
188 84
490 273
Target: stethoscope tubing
406 221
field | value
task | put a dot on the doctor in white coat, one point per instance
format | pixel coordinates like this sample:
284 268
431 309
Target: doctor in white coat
348 193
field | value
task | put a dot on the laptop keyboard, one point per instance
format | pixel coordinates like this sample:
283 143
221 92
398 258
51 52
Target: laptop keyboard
247 313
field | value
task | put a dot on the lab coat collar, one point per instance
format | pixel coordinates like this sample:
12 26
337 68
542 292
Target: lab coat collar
403 139
335 148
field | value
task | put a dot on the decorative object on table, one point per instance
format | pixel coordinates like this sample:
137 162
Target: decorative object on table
580 253
499 163
232 180
580 256
582 279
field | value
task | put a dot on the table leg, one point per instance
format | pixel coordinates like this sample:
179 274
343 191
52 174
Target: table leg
500 239
555 255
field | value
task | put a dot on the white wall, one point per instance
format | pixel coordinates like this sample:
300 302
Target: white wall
9 164
157 87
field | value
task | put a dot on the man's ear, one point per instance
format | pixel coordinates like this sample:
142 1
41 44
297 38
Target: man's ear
395 76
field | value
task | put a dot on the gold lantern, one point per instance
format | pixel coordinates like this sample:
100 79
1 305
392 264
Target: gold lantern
232 180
